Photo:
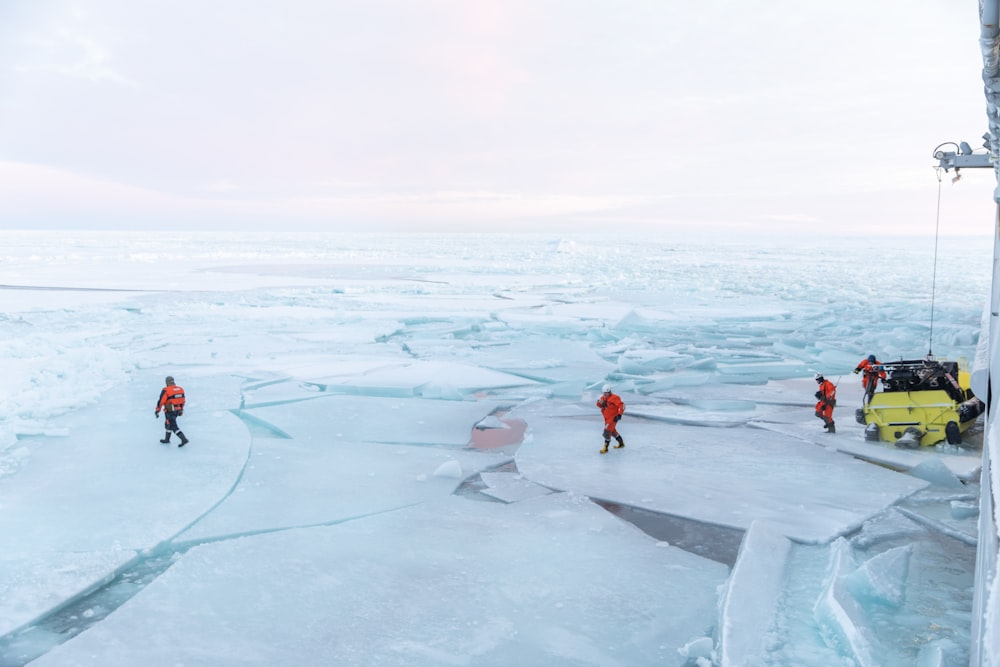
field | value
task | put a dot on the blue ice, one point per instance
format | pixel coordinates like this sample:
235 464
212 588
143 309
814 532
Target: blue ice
394 454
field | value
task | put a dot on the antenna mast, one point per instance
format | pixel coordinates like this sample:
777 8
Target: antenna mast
937 228
957 159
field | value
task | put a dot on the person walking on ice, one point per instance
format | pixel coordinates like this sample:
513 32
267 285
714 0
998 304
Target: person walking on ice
612 408
172 403
826 400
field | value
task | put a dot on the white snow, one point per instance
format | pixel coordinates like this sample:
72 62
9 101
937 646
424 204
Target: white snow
394 453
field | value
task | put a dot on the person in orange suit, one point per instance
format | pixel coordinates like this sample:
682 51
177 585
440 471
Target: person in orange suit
872 368
612 408
826 400
172 404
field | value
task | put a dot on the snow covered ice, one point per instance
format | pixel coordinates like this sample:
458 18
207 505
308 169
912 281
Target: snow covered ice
394 452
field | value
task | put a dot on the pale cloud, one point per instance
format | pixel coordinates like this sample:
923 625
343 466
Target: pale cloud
38 190
223 185
451 206
24 186
432 110
796 218
67 51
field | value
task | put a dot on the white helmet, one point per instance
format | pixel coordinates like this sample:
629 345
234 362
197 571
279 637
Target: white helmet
819 377
606 389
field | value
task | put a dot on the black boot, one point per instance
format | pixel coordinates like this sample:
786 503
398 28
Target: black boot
832 428
621 442
166 437
184 441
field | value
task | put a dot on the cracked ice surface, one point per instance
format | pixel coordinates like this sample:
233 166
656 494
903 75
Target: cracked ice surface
330 508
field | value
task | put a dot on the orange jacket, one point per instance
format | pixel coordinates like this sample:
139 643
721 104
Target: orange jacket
870 369
827 392
171 399
611 405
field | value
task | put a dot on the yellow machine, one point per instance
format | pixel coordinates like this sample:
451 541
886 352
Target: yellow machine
922 402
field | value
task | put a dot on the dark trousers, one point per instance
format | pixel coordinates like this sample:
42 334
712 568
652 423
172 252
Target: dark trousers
170 421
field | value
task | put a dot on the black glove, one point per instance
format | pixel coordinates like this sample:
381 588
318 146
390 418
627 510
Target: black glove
818 395
157 413
856 371
618 418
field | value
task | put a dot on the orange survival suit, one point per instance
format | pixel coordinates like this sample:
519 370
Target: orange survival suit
612 408
873 372
826 400
172 404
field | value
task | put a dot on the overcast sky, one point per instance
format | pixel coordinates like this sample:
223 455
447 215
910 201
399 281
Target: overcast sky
777 116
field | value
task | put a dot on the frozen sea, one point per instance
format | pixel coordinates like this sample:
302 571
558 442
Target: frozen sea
394 451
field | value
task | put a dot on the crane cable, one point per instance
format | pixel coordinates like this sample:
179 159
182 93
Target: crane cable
937 228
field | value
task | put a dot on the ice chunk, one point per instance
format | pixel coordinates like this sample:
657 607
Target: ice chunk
936 472
643 362
697 648
839 616
751 596
441 391
490 421
963 510
447 582
882 578
940 653
450 469
511 487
